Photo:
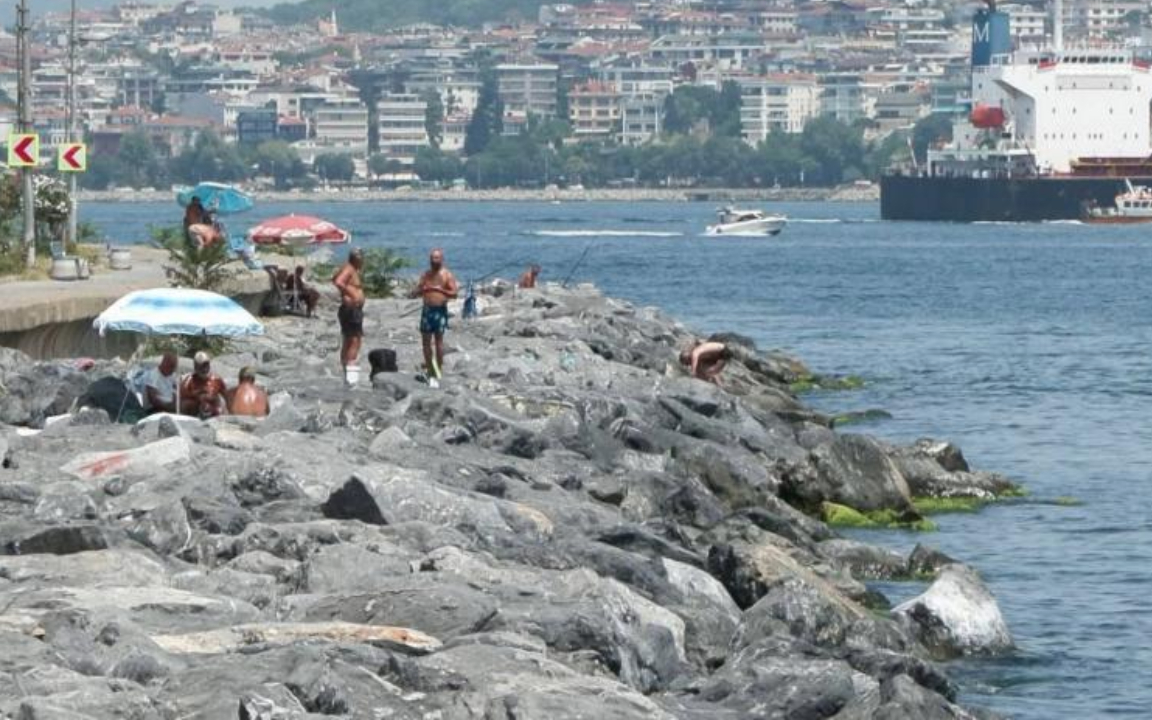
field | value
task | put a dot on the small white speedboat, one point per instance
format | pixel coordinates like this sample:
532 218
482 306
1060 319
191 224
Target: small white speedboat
731 221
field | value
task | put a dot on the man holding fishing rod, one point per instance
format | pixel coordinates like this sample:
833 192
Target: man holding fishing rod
437 286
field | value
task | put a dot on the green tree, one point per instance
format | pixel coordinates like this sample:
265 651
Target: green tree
209 158
930 130
335 166
836 150
378 274
434 165
488 119
280 161
138 164
434 117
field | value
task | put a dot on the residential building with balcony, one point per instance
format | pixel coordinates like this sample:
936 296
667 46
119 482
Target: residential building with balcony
594 111
528 88
400 125
341 125
780 103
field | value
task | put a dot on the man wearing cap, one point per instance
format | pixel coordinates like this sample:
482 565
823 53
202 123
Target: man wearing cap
351 314
202 392
248 398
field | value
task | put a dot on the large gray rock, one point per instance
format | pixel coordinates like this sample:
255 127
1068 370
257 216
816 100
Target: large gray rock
957 615
856 471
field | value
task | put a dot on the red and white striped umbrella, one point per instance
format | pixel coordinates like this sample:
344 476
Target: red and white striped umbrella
297 230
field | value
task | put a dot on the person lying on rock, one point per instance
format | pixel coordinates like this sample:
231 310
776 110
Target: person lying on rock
160 386
202 392
706 360
247 398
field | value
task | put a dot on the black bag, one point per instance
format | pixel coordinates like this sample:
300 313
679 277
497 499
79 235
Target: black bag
382 360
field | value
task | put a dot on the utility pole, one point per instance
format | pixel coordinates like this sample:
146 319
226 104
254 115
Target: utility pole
24 46
72 127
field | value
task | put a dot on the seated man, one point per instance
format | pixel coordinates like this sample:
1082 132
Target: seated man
160 386
202 392
705 360
248 398
306 293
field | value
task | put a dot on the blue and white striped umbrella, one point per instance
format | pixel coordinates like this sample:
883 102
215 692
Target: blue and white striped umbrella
178 311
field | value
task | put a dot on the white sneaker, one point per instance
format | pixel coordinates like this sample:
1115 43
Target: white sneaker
434 383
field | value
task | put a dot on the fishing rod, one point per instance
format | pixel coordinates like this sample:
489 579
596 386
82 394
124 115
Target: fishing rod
575 267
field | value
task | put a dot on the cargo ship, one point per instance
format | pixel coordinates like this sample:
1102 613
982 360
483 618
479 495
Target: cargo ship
1050 132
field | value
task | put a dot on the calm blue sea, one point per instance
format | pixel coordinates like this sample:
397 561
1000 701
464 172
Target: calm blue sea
1028 345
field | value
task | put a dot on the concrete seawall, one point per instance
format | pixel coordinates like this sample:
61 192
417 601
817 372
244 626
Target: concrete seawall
51 319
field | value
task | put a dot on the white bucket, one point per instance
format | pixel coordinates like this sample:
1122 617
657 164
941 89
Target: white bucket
64 268
120 259
83 271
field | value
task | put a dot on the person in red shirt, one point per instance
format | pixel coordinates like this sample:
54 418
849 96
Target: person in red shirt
202 392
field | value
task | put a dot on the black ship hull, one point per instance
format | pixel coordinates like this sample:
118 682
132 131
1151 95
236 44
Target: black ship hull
963 199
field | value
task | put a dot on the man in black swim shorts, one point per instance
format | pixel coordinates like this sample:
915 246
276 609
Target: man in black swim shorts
351 314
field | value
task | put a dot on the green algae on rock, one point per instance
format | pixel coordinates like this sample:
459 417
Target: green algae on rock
808 383
838 515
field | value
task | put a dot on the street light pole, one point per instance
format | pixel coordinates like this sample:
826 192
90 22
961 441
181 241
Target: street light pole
73 203
24 46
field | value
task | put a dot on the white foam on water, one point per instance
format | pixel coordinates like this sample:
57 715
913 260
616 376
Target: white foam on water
603 233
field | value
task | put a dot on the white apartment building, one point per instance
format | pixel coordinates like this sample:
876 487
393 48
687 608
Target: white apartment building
341 125
401 126
260 63
641 118
779 103
1099 18
1028 24
638 79
594 110
528 89
844 96
731 51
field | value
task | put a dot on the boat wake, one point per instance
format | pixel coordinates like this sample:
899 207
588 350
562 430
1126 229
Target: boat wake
603 233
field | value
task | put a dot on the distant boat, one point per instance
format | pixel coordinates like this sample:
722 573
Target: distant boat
731 221
1132 206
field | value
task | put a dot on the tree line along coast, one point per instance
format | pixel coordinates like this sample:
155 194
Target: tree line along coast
701 146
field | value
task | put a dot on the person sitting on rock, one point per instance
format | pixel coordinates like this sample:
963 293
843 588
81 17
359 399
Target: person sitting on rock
305 293
528 279
706 360
160 386
202 392
247 398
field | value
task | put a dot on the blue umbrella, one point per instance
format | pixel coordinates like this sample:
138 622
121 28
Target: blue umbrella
178 311
217 197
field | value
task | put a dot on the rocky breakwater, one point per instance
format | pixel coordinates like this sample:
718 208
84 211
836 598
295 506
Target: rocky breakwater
569 527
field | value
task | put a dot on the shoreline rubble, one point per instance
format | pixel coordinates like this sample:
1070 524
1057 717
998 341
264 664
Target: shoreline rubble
570 527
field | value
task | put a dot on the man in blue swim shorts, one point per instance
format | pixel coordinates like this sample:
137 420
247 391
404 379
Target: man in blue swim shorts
437 286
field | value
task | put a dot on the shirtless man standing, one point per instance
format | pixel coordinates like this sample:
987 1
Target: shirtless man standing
437 286
351 314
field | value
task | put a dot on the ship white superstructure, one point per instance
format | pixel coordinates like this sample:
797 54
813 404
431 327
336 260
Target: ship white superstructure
1068 104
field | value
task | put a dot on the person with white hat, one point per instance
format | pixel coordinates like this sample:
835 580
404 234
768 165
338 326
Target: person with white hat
202 392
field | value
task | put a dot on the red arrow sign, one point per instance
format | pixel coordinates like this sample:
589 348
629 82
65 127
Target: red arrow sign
21 149
70 156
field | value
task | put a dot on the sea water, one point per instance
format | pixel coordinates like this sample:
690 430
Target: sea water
1030 346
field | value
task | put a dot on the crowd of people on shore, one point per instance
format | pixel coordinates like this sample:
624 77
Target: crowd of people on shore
201 393
436 287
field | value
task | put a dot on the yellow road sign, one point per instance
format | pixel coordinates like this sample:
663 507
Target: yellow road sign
23 150
72 157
